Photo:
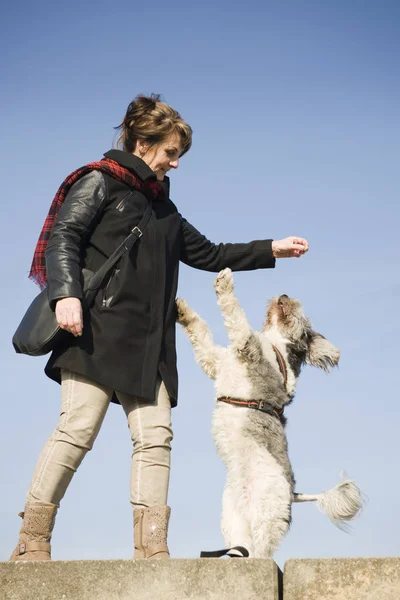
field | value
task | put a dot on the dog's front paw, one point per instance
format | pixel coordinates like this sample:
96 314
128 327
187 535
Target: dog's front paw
224 282
184 314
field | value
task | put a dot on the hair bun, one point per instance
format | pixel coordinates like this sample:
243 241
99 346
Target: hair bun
145 104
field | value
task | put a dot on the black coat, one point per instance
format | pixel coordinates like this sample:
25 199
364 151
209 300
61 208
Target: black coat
129 333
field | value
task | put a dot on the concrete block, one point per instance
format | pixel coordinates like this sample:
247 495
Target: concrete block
342 579
175 579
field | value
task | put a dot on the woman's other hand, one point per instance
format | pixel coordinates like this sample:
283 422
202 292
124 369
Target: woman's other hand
69 315
289 247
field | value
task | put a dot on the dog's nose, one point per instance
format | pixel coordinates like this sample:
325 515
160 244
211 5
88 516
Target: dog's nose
283 296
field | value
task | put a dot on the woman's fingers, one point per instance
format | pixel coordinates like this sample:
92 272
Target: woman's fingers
298 247
75 322
300 242
69 315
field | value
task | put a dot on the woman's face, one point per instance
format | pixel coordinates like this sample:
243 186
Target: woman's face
161 157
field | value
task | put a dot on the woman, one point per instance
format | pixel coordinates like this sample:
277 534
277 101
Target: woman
123 350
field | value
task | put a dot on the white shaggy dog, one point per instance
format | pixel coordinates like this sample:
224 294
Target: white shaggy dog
255 378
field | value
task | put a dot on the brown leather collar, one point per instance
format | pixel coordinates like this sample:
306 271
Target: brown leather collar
257 404
261 404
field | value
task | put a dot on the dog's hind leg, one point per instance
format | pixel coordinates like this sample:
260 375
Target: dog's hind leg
269 509
234 525
267 532
207 354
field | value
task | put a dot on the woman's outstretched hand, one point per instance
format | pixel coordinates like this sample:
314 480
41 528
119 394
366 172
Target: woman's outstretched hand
69 315
289 247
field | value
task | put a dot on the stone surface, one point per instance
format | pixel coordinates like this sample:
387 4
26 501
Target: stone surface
342 579
176 579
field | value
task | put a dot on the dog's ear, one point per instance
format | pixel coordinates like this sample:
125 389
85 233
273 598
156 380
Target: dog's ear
321 353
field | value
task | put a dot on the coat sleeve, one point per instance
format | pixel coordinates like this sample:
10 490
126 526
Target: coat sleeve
198 252
76 219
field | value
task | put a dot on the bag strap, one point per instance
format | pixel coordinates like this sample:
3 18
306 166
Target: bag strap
126 246
234 552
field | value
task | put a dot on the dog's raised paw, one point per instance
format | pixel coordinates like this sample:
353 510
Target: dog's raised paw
224 282
183 311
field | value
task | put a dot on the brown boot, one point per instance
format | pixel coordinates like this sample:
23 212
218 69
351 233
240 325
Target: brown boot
151 530
35 534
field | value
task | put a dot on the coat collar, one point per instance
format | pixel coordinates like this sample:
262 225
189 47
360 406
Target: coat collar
138 166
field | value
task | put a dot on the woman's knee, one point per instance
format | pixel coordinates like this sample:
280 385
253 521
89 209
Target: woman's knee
84 405
157 435
80 428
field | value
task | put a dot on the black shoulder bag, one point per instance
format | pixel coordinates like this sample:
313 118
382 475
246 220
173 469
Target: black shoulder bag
39 333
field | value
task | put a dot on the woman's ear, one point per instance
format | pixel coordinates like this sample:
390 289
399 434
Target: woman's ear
321 353
142 147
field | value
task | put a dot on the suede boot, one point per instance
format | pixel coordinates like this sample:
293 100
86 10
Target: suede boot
35 534
151 530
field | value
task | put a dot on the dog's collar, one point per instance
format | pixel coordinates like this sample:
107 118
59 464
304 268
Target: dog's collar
281 363
257 404
262 405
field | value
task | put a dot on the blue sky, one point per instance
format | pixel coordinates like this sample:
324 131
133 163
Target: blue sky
295 112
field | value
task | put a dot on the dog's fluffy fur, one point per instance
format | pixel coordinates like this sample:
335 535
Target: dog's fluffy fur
259 489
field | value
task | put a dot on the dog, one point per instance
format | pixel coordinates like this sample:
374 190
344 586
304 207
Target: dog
255 379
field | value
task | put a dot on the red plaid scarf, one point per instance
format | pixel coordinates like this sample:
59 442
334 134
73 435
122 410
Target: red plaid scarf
106 165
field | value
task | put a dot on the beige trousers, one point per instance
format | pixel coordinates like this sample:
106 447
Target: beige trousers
83 408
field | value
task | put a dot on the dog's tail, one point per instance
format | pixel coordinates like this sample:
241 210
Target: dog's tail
342 503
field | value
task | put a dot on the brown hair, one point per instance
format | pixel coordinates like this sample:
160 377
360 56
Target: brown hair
150 120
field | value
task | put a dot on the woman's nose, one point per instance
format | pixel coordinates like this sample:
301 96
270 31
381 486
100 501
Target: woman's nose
174 164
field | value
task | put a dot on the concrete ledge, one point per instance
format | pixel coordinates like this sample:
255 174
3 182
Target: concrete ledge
176 579
342 579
